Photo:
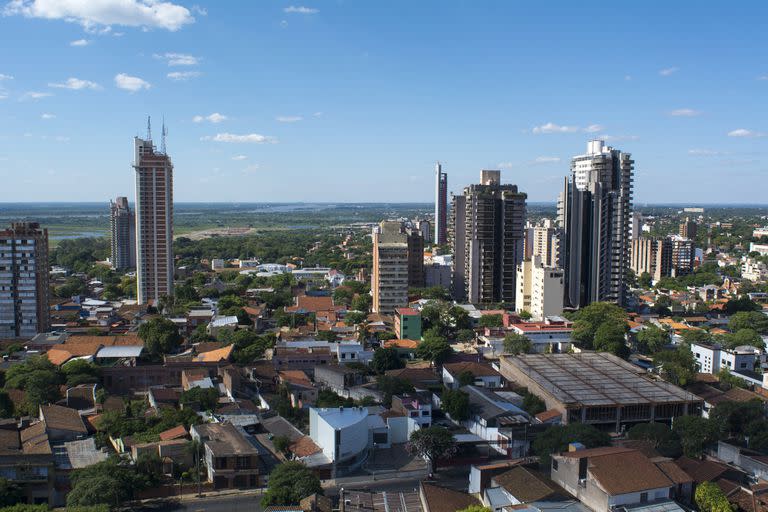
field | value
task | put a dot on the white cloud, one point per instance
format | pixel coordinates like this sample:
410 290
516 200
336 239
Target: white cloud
505 165
743 132
668 71
3 94
47 116
554 128
288 119
98 15
5 77
213 118
35 95
547 159
317 114
300 10
80 42
131 83
618 137
250 137
763 77
180 76
594 128
251 168
239 158
627 77
178 59
685 112
76 84
703 152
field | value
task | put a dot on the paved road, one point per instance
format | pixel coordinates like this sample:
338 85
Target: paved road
231 503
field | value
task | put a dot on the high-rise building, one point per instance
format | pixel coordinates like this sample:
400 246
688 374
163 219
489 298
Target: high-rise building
487 236
683 255
122 225
594 214
637 224
540 289
441 205
425 228
652 256
389 276
415 258
688 229
24 291
546 243
154 221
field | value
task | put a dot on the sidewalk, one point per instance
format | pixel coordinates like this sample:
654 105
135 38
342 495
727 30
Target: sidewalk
192 496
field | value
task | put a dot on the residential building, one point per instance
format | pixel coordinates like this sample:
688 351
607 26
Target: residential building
154 221
338 378
425 228
553 335
435 498
754 270
683 254
27 460
637 225
760 232
606 478
122 225
415 258
712 358
408 324
347 434
441 205
437 271
540 289
652 256
688 229
217 264
517 486
499 421
761 249
594 214
230 458
389 278
417 405
599 389
483 375
488 230
544 241
24 290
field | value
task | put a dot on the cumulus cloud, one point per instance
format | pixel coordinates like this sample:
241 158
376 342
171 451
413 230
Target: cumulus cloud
288 119
98 15
254 138
505 165
743 132
178 59
618 137
251 168
47 116
668 71
300 9
547 159
76 84
239 158
130 83
594 128
685 112
80 42
213 118
703 152
5 77
35 95
181 76
554 128
763 77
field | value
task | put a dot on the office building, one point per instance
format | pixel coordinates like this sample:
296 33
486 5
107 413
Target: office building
540 289
389 276
415 258
154 221
441 205
688 229
594 212
652 256
24 291
683 255
122 225
488 222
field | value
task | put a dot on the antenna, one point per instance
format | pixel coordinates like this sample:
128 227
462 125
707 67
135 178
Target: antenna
162 141
149 128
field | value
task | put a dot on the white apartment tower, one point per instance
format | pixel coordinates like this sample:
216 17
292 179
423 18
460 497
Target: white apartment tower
122 225
540 289
389 277
594 212
154 221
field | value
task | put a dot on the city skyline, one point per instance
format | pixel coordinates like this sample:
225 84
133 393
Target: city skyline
305 94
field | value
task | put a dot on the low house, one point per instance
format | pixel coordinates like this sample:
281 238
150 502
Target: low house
481 375
218 323
347 434
440 499
610 477
231 460
302 391
419 378
62 423
516 486
338 378
172 452
417 406
26 460
498 421
287 358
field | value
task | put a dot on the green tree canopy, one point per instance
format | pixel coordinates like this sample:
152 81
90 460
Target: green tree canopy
432 444
664 440
557 438
207 399
710 498
289 483
434 347
160 336
491 321
652 339
755 320
695 434
592 317
677 366
456 403
386 359
515 343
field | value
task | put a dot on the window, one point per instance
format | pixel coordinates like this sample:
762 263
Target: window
643 497
554 464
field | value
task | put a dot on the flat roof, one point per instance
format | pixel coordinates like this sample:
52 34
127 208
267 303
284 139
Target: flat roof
594 379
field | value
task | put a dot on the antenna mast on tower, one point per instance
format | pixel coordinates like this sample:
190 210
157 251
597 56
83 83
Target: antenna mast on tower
149 128
162 140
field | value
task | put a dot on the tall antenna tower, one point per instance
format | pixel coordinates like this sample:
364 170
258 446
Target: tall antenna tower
162 140
149 128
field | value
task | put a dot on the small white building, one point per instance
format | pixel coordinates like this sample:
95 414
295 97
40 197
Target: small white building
551 335
483 375
540 289
759 248
754 270
347 434
714 358
217 264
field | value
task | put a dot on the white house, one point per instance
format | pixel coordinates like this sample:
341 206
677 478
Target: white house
347 434
483 375
496 419
551 335
713 358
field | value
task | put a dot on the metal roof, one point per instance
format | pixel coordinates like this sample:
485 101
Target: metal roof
119 351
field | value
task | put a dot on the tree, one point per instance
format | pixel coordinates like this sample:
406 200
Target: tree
677 366
525 314
354 317
434 348
465 335
386 359
557 438
695 434
728 380
466 378
160 336
6 405
591 317
710 498
10 494
748 337
207 399
281 443
735 419
491 321
743 303
392 386
329 336
652 339
456 403
644 281
748 320
432 444
695 336
532 404
610 337
80 371
361 302
38 377
289 483
664 440
515 343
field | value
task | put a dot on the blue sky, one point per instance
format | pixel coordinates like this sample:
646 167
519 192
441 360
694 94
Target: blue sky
356 100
